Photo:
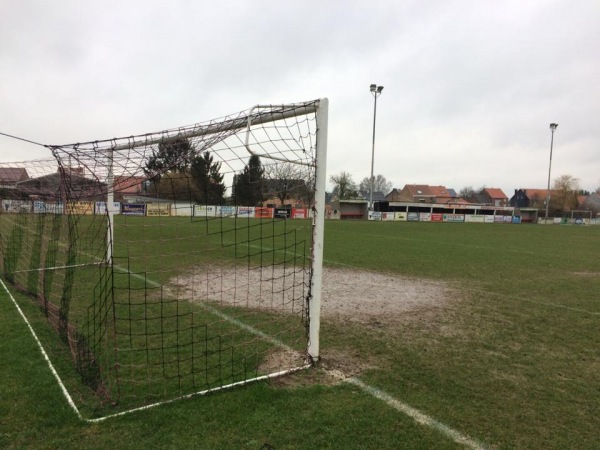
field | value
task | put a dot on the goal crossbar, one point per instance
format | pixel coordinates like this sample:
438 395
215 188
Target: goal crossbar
282 112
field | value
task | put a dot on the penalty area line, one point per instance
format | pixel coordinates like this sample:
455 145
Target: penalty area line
44 354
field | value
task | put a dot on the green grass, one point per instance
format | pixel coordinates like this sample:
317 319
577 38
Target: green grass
148 346
511 360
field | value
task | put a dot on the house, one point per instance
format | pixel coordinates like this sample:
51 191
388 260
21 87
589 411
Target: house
55 186
494 197
280 192
592 203
378 196
520 199
422 193
537 197
10 176
126 185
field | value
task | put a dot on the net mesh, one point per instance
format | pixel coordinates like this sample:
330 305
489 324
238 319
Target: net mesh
172 262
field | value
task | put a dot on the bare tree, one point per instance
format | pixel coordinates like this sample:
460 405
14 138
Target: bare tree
467 192
286 181
565 193
380 184
344 187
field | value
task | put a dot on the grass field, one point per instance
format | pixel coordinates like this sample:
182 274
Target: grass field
511 360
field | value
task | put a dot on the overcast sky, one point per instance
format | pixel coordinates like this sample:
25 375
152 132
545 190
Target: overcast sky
470 87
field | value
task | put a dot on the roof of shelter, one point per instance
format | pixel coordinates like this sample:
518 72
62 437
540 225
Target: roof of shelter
13 174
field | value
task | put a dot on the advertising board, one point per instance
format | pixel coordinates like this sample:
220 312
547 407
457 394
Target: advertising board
133 209
454 218
158 209
299 213
205 211
245 211
267 213
80 208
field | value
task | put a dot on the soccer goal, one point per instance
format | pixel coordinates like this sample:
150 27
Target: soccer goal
581 217
174 263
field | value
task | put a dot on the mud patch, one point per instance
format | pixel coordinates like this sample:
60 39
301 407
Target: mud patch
372 301
586 274
333 368
374 298
281 359
365 297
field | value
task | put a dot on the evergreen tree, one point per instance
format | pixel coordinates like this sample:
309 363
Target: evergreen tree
173 186
208 180
173 155
248 187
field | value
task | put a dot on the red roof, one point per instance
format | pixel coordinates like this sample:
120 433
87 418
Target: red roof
419 189
538 193
496 193
440 191
426 190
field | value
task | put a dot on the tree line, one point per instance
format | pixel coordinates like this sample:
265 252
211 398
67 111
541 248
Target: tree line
176 171
344 187
564 194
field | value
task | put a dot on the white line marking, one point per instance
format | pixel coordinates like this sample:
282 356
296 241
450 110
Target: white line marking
43 269
197 394
39 344
248 328
138 276
415 414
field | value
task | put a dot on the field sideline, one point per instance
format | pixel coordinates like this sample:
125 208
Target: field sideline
510 360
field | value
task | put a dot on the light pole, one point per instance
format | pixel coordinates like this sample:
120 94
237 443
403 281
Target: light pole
552 128
376 91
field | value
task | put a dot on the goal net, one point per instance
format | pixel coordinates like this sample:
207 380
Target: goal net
173 263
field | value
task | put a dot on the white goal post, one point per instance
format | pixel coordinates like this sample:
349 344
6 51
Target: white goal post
158 266
321 108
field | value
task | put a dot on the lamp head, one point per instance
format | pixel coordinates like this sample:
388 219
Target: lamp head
373 87
553 126
379 89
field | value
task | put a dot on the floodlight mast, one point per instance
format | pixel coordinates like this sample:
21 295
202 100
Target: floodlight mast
376 91
553 127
